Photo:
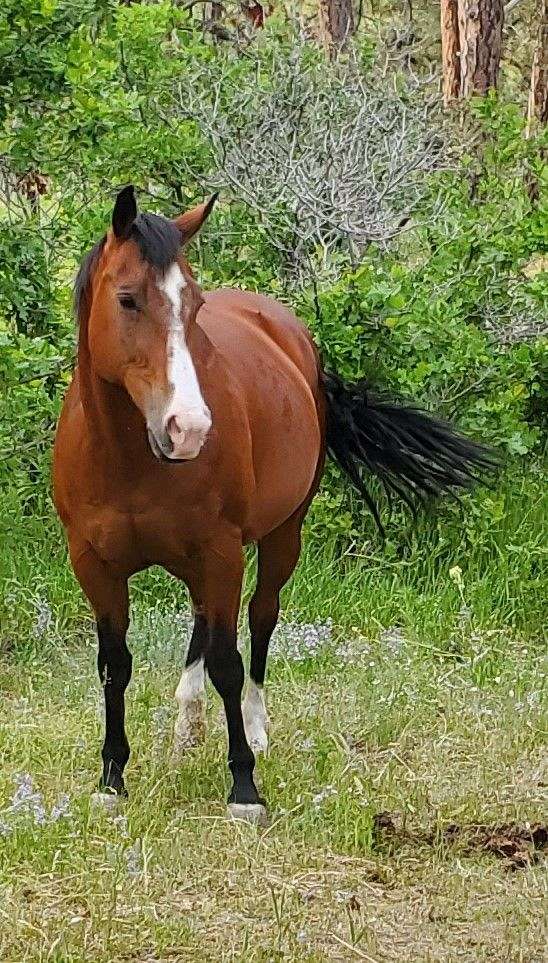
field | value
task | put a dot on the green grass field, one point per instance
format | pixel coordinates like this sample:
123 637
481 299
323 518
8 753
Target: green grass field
406 776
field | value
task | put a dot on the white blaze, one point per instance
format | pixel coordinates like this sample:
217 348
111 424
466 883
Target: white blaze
186 404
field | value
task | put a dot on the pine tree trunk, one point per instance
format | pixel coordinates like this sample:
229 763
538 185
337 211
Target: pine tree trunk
337 24
254 12
537 111
480 33
450 53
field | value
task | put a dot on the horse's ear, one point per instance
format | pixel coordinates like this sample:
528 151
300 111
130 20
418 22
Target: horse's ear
125 212
191 221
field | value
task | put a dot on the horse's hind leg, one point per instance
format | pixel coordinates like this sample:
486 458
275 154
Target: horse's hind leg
278 554
108 594
190 694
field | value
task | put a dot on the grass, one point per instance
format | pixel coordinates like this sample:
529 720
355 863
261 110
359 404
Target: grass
404 741
394 729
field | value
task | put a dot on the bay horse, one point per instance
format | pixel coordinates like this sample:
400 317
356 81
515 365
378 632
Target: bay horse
196 423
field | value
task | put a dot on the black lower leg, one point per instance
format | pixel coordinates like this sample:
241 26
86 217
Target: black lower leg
263 615
198 640
278 553
114 665
225 667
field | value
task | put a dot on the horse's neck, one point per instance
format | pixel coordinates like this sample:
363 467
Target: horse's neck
115 425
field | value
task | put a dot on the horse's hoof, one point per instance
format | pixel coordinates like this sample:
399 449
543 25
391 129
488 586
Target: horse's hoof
248 812
109 801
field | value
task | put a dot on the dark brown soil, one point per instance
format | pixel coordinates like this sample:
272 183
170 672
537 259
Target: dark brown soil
519 844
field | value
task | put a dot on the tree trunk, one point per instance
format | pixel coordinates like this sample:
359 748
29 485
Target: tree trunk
254 12
480 33
537 111
450 53
336 23
213 11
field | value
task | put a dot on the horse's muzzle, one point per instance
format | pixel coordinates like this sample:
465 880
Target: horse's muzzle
188 431
181 437
161 449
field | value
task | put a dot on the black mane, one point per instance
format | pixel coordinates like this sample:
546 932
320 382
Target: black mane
83 277
158 239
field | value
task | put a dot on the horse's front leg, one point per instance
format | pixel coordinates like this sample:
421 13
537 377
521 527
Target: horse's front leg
114 665
220 590
108 594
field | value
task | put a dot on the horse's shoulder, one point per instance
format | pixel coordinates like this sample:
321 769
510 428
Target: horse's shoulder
273 319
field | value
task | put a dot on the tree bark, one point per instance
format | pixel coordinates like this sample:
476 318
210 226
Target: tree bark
254 12
537 110
480 35
450 52
213 11
336 23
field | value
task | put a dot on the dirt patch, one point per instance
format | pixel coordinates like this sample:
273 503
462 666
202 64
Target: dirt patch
519 844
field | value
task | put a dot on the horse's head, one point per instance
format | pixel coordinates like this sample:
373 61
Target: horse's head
138 297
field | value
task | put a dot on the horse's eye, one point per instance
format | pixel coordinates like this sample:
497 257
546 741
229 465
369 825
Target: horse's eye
128 302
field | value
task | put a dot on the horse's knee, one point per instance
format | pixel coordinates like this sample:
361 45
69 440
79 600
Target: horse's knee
264 609
114 660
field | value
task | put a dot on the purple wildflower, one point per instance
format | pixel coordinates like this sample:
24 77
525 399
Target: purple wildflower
393 638
298 641
44 618
324 794
27 800
134 859
60 809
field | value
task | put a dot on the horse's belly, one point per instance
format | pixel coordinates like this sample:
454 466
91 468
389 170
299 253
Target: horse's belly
286 451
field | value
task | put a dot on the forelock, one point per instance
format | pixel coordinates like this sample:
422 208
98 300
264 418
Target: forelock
158 239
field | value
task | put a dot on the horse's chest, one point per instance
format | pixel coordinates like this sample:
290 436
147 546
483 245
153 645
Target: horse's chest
111 532
132 538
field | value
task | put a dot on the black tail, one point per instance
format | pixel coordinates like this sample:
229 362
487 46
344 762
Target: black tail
413 454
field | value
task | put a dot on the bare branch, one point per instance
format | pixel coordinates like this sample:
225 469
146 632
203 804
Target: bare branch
508 7
330 161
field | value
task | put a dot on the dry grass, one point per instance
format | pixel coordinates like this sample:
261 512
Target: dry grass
436 740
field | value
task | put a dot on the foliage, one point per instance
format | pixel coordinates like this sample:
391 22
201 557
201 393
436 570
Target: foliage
450 313
329 160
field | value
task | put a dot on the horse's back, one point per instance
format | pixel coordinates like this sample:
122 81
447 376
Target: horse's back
225 311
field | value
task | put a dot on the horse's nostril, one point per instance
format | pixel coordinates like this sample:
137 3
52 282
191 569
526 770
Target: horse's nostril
173 427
